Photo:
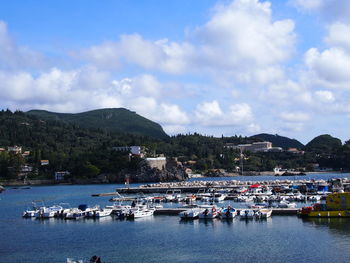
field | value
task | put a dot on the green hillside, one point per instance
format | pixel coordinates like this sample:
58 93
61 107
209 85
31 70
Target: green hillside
324 144
114 120
279 141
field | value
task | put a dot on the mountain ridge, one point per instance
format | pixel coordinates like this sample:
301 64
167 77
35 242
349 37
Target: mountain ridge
109 119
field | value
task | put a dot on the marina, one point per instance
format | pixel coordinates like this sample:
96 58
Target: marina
163 236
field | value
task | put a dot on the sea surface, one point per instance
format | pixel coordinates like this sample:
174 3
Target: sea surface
162 238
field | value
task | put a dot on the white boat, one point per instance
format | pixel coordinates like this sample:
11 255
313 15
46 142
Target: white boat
228 213
102 212
263 213
218 197
246 214
140 213
74 213
192 213
209 212
286 204
34 209
48 212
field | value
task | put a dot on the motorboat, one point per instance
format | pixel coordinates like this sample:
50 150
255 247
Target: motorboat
208 212
48 212
192 213
102 212
138 213
286 204
263 213
246 214
218 197
74 213
34 209
228 213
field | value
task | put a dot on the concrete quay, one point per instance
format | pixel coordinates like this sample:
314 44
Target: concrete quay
176 211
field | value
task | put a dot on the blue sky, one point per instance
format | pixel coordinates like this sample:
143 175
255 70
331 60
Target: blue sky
213 67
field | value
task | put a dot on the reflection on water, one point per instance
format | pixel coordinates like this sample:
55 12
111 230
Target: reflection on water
340 226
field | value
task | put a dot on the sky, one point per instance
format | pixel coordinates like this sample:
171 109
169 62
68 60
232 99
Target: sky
238 67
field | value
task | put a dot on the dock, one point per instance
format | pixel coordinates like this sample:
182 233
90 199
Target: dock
176 211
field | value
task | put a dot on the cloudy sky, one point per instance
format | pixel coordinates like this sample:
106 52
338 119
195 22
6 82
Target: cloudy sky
213 67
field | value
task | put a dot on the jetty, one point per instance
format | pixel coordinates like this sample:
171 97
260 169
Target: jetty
176 211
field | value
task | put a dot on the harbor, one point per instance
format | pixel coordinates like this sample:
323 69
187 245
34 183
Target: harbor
165 232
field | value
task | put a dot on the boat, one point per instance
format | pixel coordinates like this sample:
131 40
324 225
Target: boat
102 212
74 213
138 213
218 197
192 213
337 205
208 212
246 214
286 204
34 209
228 213
263 213
48 212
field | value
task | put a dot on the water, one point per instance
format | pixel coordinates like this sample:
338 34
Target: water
160 238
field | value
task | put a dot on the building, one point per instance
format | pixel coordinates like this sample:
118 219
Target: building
134 150
15 149
60 176
253 147
44 162
157 162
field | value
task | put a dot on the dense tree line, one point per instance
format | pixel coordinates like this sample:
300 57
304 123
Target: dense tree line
88 152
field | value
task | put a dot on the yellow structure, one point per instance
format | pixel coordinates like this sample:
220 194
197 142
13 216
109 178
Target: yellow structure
337 205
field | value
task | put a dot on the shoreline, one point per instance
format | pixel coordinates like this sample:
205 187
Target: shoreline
195 176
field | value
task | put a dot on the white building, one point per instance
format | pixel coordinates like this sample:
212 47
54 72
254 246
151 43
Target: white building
135 150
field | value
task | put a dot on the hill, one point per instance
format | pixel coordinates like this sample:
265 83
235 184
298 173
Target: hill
113 120
279 141
324 144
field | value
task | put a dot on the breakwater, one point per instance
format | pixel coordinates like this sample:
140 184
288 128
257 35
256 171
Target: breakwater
195 186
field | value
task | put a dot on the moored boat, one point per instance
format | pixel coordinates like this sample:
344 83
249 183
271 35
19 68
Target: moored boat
192 213
263 213
209 212
228 213
246 214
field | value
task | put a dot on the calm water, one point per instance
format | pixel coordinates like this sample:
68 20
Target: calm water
160 238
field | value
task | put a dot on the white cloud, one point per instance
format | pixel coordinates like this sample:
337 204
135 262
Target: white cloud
237 115
295 116
325 96
330 68
339 36
240 38
13 56
330 9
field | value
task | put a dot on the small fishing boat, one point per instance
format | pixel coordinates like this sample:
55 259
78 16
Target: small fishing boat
138 213
246 214
192 213
209 212
263 213
228 213
286 204
75 214
102 212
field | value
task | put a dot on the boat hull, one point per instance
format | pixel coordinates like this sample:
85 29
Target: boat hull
345 213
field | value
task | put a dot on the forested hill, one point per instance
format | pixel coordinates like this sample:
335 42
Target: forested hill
279 141
114 120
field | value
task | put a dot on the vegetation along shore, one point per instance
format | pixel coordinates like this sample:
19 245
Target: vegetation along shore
118 146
